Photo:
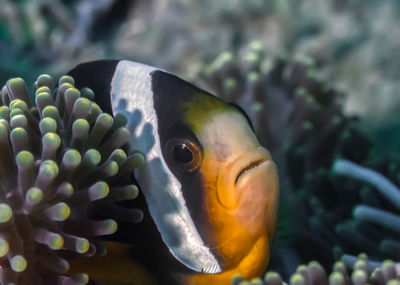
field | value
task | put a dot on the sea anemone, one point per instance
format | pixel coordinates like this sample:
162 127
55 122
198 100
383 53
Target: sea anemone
64 165
375 224
300 119
361 273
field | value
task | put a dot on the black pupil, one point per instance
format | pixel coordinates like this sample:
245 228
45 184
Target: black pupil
182 153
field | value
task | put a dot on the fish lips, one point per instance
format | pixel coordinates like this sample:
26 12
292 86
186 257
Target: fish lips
251 169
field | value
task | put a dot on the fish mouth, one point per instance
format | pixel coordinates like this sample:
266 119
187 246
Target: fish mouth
253 165
239 173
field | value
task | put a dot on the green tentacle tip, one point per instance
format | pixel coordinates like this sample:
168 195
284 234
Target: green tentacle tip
4 112
237 278
72 92
301 267
105 120
51 112
92 156
300 92
43 89
5 213
230 83
17 81
82 278
111 168
62 211
257 106
18 263
45 80
251 57
18 133
64 266
139 159
297 279
120 120
64 87
49 169
132 191
307 126
359 275
253 77
111 226
47 125
88 93
99 191
134 161
393 282
18 104
24 159
66 79
52 140
19 121
82 245
66 189
304 59
34 195
224 57
339 265
80 128
4 247
256 281
56 242
43 98
360 264
16 112
72 158
336 278
82 104
119 156
271 275
256 45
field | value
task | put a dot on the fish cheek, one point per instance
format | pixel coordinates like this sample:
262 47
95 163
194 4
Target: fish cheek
221 227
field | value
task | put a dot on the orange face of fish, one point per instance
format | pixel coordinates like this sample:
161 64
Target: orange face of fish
242 191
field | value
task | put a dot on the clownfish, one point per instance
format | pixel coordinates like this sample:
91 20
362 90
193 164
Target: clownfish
209 189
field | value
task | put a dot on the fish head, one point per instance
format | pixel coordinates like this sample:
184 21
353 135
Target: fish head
239 180
210 187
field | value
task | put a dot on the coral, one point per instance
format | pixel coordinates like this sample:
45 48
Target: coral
64 165
361 273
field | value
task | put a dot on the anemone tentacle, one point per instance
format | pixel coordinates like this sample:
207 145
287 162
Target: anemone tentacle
63 164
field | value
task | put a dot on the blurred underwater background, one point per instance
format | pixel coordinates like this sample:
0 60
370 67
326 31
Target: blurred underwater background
318 78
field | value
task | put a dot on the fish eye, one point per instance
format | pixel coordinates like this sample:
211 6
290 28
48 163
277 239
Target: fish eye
184 154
